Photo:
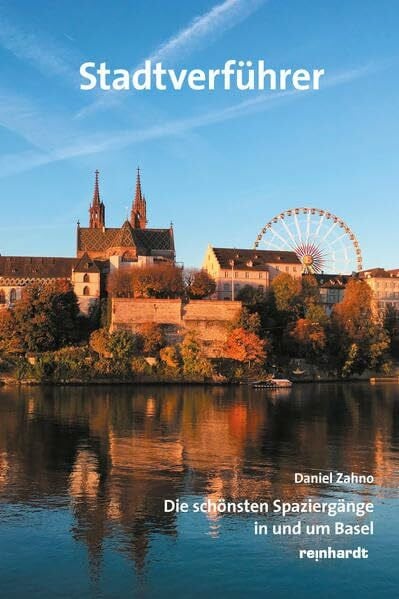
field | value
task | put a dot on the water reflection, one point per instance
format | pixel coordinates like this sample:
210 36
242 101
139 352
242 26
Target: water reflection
110 456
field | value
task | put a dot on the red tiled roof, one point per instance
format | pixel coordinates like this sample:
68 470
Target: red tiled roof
146 241
36 267
260 259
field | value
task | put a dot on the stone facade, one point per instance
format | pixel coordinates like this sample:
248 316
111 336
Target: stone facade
209 319
232 268
385 287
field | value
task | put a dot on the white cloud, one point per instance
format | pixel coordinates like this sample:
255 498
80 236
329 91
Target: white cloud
87 145
219 19
36 49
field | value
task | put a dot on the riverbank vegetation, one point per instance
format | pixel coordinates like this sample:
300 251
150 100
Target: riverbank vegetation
286 331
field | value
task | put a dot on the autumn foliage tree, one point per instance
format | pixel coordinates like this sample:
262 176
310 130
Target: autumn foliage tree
309 337
245 346
199 284
151 338
46 317
10 342
99 342
356 340
162 281
120 282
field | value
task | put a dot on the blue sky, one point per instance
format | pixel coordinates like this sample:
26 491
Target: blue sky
215 164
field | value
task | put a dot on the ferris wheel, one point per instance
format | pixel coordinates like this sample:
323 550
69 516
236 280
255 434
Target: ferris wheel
322 241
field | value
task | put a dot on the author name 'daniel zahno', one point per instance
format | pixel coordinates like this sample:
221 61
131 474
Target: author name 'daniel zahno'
334 478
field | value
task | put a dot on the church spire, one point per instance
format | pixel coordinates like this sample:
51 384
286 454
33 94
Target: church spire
97 208
138 214
96 193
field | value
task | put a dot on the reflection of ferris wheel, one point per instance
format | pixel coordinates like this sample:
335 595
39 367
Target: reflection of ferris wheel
321 240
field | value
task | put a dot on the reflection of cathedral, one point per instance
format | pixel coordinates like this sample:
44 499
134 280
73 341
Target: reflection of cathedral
100 249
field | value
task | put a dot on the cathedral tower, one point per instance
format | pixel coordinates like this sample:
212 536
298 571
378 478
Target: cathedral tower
97 208
138 214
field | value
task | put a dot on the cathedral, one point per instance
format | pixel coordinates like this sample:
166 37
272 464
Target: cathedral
99 251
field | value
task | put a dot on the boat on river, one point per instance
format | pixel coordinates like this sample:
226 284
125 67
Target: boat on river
273 384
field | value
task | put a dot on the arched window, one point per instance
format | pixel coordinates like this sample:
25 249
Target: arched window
86 278
2 297
86 291
13 296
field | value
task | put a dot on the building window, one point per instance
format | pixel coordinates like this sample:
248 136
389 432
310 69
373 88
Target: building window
261 275
247 275
129 257
226 274
287 269
86 291
13 296
2 297
226 286
236 274
86 278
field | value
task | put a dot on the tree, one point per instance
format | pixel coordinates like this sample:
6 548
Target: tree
123 345
152 338
250 321
170 356
245 346
309 337
354 313
391 325
46 317
120 282
159 281
99 342
310 293
10 341
356 341
199 284
250 295
194 361
316 314
286 292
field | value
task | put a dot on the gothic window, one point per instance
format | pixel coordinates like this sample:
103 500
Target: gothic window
86 291
13 296
2 297
86 278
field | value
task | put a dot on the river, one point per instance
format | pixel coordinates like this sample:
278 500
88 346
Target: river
84 472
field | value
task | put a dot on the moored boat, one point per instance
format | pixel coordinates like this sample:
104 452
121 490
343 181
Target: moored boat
273 384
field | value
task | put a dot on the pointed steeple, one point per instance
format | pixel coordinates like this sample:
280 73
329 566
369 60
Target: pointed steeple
138 214
97 208
96 193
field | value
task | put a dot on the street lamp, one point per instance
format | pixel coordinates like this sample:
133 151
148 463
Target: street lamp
232 279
